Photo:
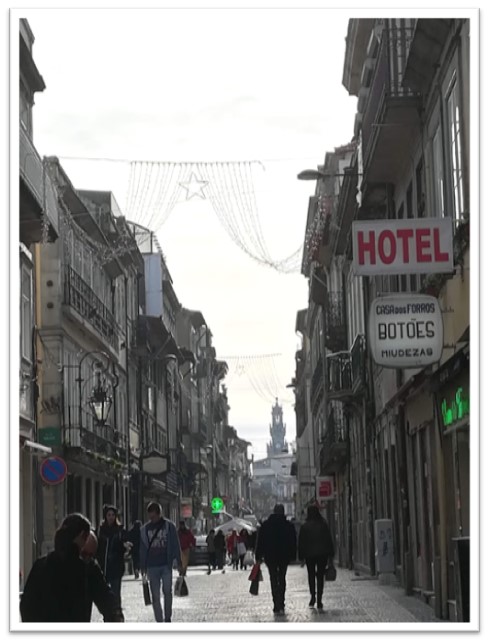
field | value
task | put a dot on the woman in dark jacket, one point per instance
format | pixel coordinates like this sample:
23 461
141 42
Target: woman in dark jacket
112 540
316 547
219 543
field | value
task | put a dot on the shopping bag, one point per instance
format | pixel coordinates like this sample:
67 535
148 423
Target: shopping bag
241 548
330 573
254 588
248 558
181 587
256 573
145 591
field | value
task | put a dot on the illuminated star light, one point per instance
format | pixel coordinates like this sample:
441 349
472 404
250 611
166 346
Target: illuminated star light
194 187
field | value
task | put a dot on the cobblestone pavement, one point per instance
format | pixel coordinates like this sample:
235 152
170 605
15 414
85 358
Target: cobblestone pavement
225 598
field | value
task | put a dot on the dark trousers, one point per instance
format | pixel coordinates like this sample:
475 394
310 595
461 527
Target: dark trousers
212 560
220 555
316 571
277 574
116 586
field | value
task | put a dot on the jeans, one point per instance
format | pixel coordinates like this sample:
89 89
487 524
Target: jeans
277 574
316 569
156 575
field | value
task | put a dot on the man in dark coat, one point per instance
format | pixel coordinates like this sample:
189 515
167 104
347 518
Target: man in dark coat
62 587
277 545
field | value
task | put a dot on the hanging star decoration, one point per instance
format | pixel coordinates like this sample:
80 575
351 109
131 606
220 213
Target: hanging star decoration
194 187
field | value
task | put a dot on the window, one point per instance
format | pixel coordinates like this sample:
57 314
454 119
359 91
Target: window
438 174
419 188
25 109
454 137
26 312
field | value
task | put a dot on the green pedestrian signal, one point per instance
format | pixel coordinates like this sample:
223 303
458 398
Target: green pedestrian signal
217 505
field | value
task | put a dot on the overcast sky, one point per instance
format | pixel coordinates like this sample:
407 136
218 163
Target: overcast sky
205 85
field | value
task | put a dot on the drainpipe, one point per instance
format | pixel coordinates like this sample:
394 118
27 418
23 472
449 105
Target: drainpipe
127 392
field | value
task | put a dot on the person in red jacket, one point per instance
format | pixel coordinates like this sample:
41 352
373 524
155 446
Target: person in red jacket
232 546
187 541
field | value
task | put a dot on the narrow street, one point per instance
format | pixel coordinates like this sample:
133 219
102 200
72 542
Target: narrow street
226 598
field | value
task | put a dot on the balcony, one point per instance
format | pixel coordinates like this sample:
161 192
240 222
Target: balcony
335 319
334 449
429 37
104 443
391 121
346 372
37 195
79 295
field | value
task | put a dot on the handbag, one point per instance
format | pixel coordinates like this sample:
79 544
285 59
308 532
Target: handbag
248 558
145 591
145 584
331 573
181 587
256 573
254 588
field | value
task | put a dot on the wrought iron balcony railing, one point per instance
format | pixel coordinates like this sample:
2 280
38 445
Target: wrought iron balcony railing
346 371
80 296
104 441
317 377
334 441
335 332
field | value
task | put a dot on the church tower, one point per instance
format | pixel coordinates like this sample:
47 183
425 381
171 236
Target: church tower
277 430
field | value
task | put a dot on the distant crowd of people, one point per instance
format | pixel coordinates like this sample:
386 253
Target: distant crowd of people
86 566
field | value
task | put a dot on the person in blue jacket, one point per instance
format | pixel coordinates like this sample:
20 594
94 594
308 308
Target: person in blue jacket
159 549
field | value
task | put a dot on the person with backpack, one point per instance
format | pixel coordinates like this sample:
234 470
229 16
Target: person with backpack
316 547
160 548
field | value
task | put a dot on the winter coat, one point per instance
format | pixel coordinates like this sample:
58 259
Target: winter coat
210 542
276 541
187 539
64 588
232 542
219 541
111 550
173 544
315 540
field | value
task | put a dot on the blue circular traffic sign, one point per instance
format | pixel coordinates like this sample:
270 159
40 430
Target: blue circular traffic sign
53 470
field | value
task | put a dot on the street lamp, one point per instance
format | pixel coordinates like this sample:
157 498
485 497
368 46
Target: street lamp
100 402
313 175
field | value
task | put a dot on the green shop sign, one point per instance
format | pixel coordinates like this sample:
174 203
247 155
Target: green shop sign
49 436
217 505
455 409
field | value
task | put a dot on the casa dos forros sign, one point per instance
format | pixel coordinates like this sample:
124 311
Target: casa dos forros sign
405 331
408 246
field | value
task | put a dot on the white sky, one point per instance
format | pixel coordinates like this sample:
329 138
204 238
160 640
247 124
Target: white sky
205 85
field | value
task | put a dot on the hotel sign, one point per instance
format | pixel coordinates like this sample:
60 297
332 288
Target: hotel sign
405 331
408 246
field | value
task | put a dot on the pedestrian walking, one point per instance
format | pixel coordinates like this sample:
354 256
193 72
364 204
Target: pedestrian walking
160 548
187 542
316 547
63 585
242 546
135 539
212 557
232 549
112 546
219 543
276 544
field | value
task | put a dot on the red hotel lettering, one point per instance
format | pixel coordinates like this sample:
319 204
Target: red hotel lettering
387 234
364 247
405 235
438 255
422 244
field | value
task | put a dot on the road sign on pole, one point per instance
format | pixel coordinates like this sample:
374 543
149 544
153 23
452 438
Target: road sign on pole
53 470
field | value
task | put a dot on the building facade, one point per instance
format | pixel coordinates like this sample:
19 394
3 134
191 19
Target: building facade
397 440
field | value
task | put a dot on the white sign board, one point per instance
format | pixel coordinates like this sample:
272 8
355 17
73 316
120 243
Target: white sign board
408 246
405 331
324 490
